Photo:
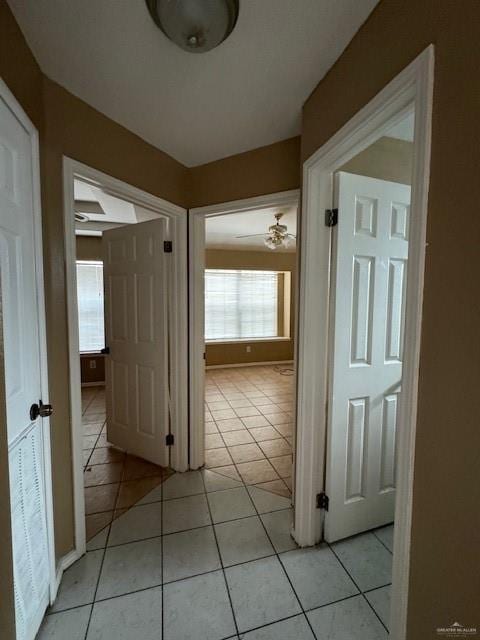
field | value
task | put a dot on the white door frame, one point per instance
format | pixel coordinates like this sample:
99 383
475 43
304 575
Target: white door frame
177 224
412 88
196 228
12 103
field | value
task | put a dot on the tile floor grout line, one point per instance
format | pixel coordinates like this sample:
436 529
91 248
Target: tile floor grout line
121 544
358 587
98 582
282 566
220 558
380 540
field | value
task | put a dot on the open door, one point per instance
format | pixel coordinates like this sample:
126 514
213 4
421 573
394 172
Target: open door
136 334
368 308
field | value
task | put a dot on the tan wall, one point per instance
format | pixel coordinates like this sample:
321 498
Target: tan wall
261 171
89 248
385 159
261 351
444 554
89 375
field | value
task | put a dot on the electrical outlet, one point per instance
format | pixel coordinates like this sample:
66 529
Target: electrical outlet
248 348
93 364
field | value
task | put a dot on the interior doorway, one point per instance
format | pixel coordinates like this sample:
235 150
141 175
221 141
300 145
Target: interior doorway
119 277
238 287
249 282
362 282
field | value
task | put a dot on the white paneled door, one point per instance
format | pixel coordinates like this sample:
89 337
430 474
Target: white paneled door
25 355
369 280
136 334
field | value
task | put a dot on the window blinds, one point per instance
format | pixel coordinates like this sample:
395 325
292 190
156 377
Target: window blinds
240 304
90 306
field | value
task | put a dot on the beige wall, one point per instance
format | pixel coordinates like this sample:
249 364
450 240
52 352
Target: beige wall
89 375
385 159
269 169
261 351
89 248
444 582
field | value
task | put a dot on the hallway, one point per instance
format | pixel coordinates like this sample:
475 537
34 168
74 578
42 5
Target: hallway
205 557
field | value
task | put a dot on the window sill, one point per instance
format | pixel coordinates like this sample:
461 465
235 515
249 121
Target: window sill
91 354
247 340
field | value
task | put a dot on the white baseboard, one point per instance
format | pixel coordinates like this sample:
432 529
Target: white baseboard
247 364
64 563
93 384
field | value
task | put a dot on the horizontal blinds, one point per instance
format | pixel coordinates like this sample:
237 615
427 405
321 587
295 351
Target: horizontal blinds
90 306
240 304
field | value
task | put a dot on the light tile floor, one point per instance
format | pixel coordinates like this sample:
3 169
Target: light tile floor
114 480
249 414
206 557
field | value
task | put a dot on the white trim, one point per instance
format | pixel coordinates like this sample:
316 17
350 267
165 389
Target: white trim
197 217
12 103
247 364
413 87
177 230
248 340
65 562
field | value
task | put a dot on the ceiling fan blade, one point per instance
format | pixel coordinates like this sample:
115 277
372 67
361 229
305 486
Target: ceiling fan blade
252 235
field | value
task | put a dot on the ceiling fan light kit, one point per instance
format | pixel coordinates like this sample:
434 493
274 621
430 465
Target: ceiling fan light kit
195 26
277 235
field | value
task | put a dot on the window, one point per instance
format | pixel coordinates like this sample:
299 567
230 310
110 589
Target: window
241 304
90 306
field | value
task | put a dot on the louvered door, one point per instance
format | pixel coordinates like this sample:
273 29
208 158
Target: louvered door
24 346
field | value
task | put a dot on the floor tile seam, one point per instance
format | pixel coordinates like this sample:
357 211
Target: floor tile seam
357 586
221 564
277 555
381 542
99 576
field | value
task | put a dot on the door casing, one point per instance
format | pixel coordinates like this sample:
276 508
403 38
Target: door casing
411 89
178 340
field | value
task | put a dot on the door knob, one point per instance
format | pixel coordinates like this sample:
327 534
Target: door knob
40 409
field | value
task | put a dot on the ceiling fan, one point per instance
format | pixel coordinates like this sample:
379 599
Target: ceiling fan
276 236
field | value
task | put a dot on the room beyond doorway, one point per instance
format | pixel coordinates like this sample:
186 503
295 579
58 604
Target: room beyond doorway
249 425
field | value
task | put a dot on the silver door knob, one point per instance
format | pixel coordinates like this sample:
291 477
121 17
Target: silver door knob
40 410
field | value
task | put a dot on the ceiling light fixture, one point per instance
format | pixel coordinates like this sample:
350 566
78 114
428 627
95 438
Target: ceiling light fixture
81 217
277 235
195 25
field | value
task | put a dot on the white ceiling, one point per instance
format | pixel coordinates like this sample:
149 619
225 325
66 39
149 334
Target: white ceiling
246 93
221 231
116 212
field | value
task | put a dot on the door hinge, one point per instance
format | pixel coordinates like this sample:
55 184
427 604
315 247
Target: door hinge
322 501
331 217
169 439
168 246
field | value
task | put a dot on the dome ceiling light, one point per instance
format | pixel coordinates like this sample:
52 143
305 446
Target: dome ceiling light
195 25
